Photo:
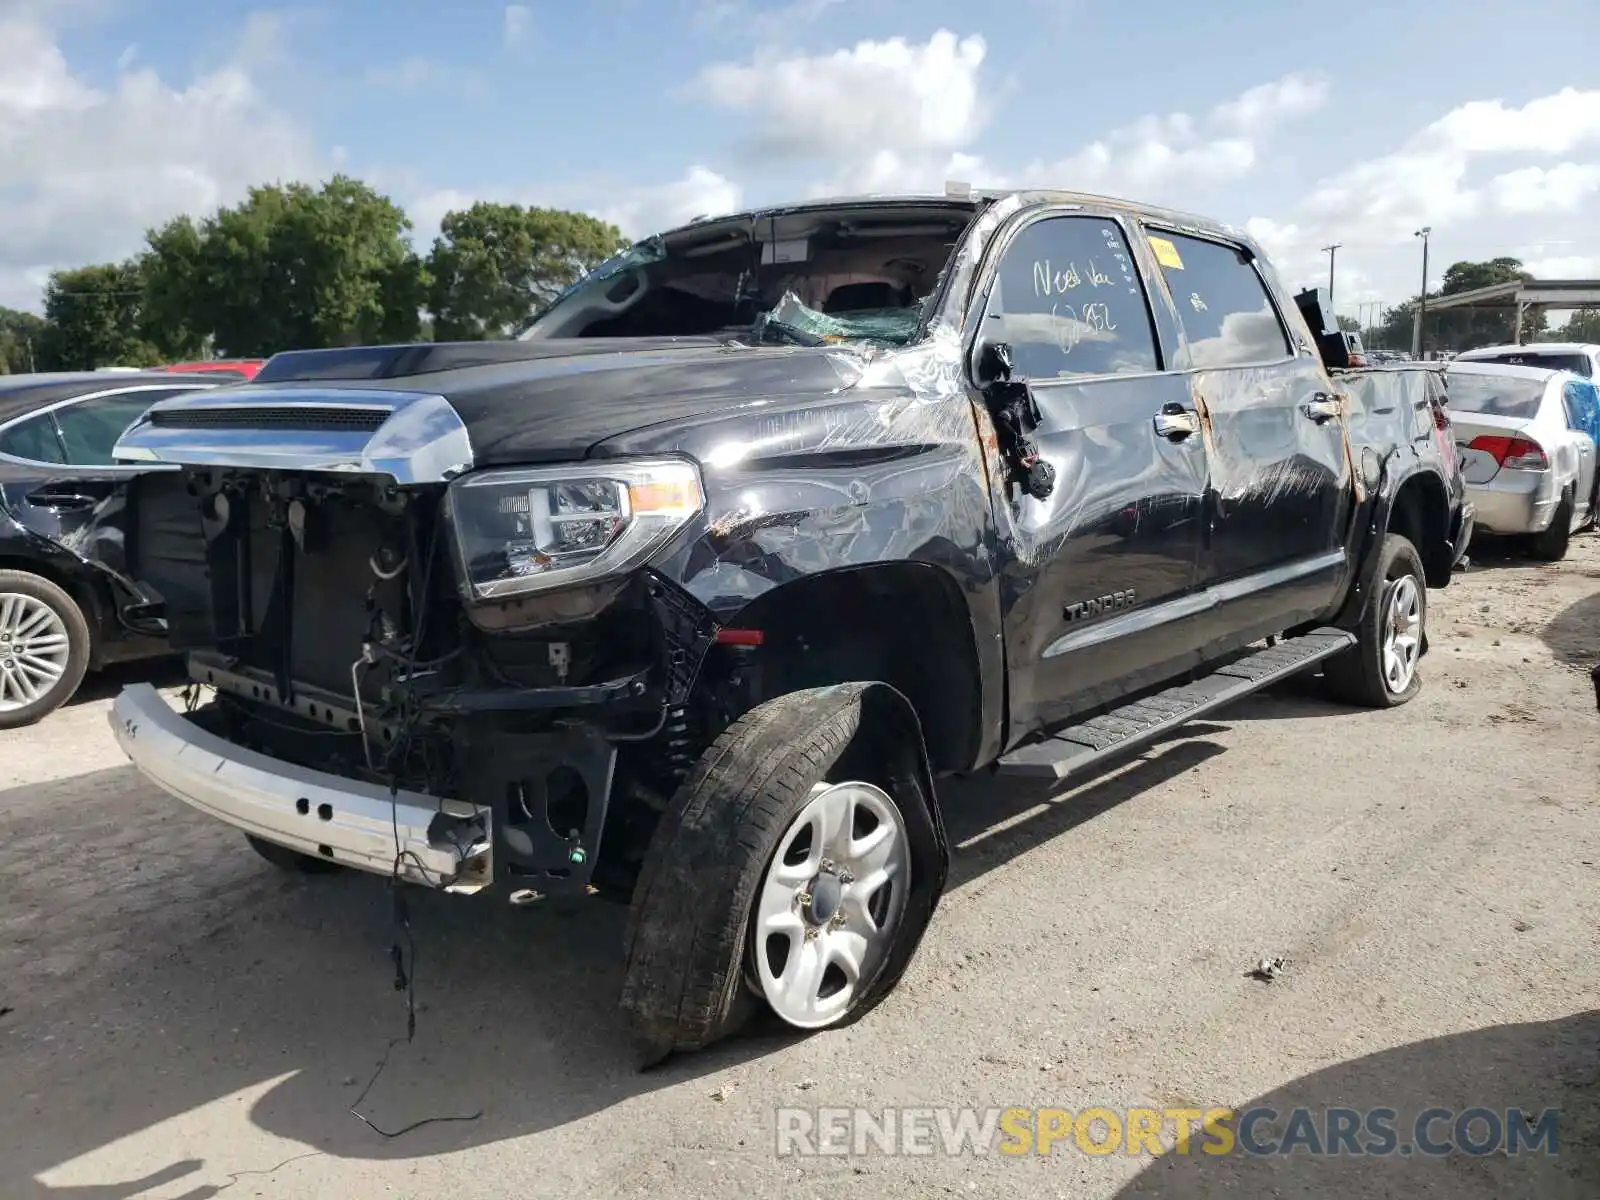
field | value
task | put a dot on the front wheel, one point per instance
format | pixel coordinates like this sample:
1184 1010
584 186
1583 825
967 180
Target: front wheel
44 648
799 864
830 903
1380 670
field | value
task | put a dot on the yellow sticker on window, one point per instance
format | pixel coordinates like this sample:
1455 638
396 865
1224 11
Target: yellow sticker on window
1166 253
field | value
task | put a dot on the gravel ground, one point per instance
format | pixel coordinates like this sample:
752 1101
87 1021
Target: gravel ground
176 1019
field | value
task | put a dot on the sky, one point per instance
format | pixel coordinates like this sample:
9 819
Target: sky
1354 124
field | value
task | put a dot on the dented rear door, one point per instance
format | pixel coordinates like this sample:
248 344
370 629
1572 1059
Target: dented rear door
1278 495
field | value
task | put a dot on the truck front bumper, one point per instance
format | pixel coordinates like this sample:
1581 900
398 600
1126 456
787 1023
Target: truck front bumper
429 840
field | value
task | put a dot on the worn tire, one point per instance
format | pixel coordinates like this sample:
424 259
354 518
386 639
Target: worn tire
685 986
79 645
1551 545
286 859
1356 675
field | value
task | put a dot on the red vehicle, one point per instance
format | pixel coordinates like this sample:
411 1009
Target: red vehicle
245 368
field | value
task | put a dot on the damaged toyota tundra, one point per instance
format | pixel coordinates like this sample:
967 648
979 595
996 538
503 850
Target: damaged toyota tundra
690 594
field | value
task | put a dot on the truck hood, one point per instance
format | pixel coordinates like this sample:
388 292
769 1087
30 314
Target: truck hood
428 411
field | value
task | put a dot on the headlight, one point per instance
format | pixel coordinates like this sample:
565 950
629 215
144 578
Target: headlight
549 527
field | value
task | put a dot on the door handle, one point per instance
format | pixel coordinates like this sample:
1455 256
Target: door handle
64 500
1175 423
1322 407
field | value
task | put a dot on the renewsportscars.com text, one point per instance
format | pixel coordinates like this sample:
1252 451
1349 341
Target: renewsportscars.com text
1259 1131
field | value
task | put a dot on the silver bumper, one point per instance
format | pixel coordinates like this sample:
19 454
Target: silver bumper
424 839
1515 502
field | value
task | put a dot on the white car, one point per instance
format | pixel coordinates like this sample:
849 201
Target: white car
1526 457
1581 358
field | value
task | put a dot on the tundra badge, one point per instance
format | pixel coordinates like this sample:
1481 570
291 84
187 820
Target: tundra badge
1110 602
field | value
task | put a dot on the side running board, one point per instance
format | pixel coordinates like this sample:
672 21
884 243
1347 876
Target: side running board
1141 722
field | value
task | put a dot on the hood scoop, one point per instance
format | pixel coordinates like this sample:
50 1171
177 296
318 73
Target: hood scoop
412 437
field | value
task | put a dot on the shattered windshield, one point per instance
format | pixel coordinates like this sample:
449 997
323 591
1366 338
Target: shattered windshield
860 275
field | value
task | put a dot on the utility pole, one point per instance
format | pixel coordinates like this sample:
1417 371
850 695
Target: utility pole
1330 251
1422 296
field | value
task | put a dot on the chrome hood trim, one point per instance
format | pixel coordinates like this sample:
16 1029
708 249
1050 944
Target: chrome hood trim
412 437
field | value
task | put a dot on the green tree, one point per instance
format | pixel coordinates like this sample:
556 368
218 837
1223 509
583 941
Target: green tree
291 267
172 313
1393 332
1462 329
20 336
1581 326
92 319
1348 324
493 265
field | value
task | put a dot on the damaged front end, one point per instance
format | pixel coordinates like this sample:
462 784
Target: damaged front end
408 668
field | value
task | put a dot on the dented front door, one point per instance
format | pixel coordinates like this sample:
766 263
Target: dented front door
1098 587
1278 492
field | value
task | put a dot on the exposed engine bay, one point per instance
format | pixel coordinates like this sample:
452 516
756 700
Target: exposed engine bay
324 616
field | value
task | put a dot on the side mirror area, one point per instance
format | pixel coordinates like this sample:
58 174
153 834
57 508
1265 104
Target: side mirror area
994 363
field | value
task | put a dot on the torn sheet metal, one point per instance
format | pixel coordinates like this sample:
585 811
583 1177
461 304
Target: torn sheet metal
930 370
887 468
1260 446
93 536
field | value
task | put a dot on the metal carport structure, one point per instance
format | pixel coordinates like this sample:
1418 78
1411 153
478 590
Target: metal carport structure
1523 295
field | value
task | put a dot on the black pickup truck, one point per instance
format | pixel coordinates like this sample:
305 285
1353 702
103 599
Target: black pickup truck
690 594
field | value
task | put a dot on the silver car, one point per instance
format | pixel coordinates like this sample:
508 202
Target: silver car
1524 436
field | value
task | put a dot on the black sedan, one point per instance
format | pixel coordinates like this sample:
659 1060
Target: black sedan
64 609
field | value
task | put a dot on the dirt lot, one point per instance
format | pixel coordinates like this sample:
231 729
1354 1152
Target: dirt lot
176 1019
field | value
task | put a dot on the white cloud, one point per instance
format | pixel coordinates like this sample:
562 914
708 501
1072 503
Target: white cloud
516 24
1558 189
86 168
638 210
701 192
897 115
1161 158
428 210
1564 266
1459 175
1269 105
852 103
1555 124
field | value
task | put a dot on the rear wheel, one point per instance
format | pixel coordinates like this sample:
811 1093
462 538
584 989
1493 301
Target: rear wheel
1551 545
1380 670
44 648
